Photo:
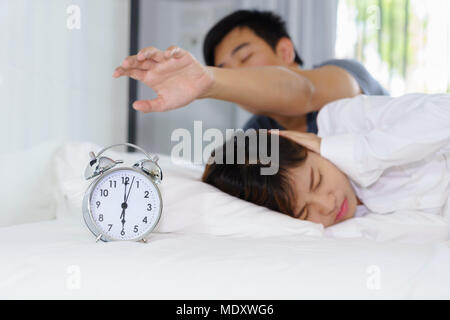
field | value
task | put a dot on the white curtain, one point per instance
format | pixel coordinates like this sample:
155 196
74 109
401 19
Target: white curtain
56 62
310 23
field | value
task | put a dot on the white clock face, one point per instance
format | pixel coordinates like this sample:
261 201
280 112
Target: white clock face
125 204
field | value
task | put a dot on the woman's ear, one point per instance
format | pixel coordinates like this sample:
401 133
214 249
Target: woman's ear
285 50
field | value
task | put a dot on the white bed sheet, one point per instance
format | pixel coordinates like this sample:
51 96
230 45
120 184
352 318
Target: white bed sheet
60 260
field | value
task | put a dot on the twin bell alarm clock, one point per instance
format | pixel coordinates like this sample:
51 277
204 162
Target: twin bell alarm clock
122 203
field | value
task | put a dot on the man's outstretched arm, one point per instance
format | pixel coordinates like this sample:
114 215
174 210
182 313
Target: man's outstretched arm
178 79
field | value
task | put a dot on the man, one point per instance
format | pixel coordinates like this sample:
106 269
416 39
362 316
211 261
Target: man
252 62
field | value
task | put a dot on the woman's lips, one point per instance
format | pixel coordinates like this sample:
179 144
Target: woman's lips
342 212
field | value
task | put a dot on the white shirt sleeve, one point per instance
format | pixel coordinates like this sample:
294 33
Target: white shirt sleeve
366 135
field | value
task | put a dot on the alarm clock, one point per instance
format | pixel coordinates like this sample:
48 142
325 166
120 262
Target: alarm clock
122 203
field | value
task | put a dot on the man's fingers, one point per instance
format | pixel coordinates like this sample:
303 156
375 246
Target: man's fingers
174 52
150 53
178 53
116 73
145 60
155 105
170 51
132 62
145 53
136 74
158 55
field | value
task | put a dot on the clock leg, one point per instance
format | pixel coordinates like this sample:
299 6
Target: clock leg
98 238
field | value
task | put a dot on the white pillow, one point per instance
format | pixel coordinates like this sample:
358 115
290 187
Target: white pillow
189 205
27 185
193 206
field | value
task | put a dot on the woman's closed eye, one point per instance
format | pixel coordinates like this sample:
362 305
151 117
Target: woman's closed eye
304 213
247 57
318 183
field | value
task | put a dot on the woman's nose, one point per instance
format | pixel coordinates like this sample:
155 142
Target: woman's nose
326 203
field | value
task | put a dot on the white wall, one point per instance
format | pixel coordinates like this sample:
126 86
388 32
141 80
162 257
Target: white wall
56 82
184 23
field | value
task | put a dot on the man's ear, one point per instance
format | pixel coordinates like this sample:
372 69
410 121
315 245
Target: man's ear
285 50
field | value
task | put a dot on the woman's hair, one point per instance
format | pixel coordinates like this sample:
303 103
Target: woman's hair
245 180
267 25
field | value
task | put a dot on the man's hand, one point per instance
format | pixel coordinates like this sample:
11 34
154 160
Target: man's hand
310 141
175 75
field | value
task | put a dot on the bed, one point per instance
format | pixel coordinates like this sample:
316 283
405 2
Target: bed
209 245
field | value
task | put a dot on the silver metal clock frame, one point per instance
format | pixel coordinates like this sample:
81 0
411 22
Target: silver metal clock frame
87 214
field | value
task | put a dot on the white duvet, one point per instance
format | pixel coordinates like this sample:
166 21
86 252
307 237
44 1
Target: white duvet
209 245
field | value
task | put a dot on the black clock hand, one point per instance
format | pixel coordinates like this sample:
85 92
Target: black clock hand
125 193
122 216
129 190
124 206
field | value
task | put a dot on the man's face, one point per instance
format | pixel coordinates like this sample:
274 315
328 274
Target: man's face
243 48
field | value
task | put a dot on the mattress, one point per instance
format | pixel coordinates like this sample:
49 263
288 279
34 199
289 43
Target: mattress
60 260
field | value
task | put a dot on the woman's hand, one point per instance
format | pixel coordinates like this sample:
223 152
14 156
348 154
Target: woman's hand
175 75
310 141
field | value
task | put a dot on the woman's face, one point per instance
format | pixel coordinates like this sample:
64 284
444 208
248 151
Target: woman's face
324 193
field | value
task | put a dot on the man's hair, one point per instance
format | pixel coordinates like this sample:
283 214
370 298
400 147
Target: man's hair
267 25
245 180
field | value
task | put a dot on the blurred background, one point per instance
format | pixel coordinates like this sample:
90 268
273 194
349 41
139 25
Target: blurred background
57 58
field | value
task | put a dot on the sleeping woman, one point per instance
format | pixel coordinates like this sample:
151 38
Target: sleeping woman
373 154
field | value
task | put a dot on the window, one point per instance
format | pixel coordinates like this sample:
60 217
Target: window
405 44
